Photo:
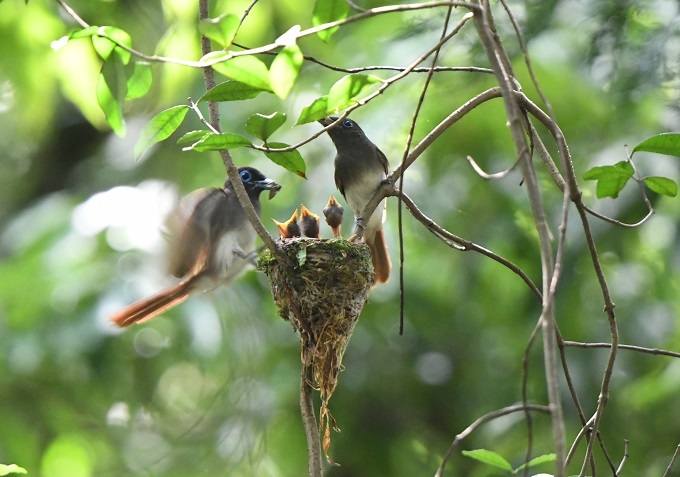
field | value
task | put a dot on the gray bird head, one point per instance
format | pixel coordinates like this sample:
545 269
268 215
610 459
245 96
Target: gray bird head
346 133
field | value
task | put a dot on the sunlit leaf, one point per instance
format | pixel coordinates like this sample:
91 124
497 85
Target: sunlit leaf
105 39
84 33
326 11
160 128
541 459
139 82
246 69
11 469
290 160
666 143
192 137
489 457
345 91
284 70
262 126
111 92
222 29
662 185
232 91
315 111
610 179
219 142
290 37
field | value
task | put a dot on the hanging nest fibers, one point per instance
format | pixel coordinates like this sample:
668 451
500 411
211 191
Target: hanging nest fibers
321 288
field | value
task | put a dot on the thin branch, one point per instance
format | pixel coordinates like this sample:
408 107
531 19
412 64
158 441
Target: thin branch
494 176
624 458
309 422
639 349
232 171
525 398
273 46
483 420
407 146
670 464
461 244
72 13
500 63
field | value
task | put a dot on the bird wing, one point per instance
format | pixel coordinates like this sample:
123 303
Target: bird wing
189 232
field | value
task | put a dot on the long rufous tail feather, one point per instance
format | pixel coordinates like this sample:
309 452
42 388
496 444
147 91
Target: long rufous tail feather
148 308
381 260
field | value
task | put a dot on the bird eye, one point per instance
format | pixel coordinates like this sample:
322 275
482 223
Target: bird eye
348 123
246 176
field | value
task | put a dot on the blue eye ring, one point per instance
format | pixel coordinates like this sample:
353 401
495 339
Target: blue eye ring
246 176
348 123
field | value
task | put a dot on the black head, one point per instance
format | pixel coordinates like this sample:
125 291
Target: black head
255 182
345 133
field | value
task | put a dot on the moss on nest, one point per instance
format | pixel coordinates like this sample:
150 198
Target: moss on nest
321 288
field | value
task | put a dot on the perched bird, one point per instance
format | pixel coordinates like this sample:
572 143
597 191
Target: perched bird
333 213
290 228
360 168
309 223
211 238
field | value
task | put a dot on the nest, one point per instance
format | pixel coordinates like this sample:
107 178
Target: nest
321 288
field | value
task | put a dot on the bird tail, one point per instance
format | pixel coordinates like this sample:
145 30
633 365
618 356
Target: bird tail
144 310
381 260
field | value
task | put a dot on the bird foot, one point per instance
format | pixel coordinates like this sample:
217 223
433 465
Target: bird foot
248 257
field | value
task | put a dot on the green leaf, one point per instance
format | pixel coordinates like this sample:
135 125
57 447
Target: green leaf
541 459
262 126
219 142
489 457
345 91
11 469
610 179
192 137
139 82
666 143
284 70
111 92
326 11
246 69
104 46
291 160
84 33
231 91
222 29
302 256
662 185
315 111
160 128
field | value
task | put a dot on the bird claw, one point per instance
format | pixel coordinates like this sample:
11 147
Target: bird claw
249 257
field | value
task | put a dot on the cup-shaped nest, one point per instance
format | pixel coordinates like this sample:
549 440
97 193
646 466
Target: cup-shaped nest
321 287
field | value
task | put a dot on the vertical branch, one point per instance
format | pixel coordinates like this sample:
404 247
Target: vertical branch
309 422
232 170
502 69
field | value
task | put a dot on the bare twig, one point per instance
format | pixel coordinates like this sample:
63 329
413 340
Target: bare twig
670 464
483 420
464 245
407 146
309 422
273 46
639 349
503 70
232 171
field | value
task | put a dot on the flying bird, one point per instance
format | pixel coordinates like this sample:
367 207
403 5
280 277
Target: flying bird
211 244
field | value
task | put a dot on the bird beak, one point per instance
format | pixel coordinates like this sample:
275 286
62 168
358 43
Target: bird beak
270 185
328 120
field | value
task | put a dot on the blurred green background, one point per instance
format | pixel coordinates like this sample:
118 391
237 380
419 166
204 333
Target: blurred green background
211 387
